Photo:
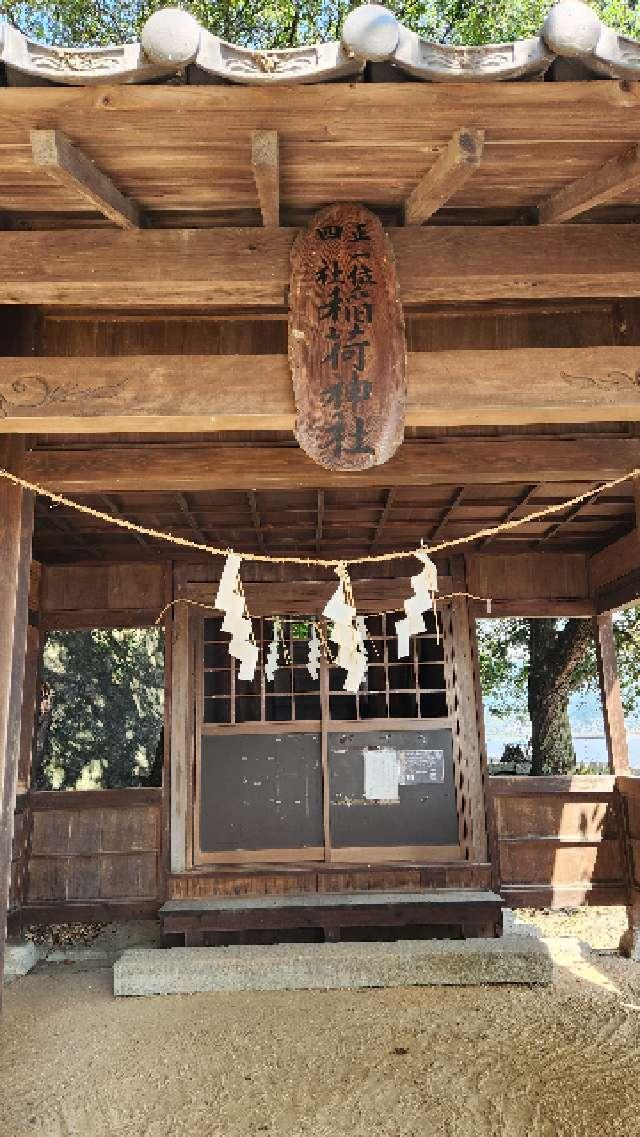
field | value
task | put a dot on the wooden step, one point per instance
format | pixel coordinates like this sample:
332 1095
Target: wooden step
474 913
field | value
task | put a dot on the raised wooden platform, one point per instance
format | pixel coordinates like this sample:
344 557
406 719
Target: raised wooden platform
262 879
199 922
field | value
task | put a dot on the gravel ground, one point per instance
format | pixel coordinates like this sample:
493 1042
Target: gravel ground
419 1062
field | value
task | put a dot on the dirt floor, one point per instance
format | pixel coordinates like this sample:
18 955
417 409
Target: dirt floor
420 1062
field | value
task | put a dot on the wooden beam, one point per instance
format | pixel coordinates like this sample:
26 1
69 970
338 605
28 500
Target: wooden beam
265 163
115 511
510 513
615 561
184 507
453 503
612 711
223 269
450 172
598 187
382 520
255 519
16 525
57 157
319 519
524 386
569 516
208 467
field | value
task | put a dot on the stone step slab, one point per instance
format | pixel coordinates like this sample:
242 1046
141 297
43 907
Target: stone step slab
293 967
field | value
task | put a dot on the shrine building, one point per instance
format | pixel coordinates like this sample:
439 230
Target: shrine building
317 307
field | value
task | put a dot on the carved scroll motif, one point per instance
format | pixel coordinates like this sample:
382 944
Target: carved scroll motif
346 341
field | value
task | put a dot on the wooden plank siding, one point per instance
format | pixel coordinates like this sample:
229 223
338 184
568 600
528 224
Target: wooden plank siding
558 840
94 852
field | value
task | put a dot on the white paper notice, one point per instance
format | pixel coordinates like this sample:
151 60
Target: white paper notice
381 775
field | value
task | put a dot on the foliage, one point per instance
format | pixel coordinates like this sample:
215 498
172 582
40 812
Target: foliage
514 754
531 668
287 23
101 715
504 663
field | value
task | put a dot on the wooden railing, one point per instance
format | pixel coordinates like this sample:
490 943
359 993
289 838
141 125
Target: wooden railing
94 854
558 840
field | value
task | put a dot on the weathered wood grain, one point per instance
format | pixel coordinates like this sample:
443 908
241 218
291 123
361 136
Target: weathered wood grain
16 521
265 163
521 386
183 467
56 156
450 172
612 711
346 341
223 269
606 183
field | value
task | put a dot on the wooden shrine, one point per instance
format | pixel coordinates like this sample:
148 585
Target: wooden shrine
149 307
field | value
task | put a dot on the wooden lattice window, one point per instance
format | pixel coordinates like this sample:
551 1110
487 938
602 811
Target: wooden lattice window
293 696
411 688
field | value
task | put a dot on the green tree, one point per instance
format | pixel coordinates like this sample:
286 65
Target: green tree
101 712
287 23
534 666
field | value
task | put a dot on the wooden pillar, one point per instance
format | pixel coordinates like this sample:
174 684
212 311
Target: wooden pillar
613 714
181 736
16 529
466 711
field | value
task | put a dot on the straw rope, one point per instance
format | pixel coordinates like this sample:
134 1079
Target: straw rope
300 619
322 562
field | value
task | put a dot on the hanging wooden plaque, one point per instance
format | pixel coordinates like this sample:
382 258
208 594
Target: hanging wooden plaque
346 341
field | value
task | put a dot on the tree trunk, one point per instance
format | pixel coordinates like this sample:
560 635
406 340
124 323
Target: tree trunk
553 657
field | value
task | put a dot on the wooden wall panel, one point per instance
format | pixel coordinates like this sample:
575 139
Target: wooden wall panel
100 593
529 576
96 847
558 840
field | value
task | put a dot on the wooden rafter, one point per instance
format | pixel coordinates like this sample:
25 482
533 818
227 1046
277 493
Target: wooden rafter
265 163
523 499
115 511
451 170
65 527
185 509
57 157
570 515
193 468
596 188
319 519
255 518
452 505
382 520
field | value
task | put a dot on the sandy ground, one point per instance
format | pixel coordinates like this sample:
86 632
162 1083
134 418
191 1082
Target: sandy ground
475 1062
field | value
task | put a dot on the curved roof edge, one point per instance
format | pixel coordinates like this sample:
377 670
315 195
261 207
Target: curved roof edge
172 39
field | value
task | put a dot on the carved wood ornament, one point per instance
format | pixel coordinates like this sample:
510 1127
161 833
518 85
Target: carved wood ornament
346 341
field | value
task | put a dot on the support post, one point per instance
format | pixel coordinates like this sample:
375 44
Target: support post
16 529
466 711
613 714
